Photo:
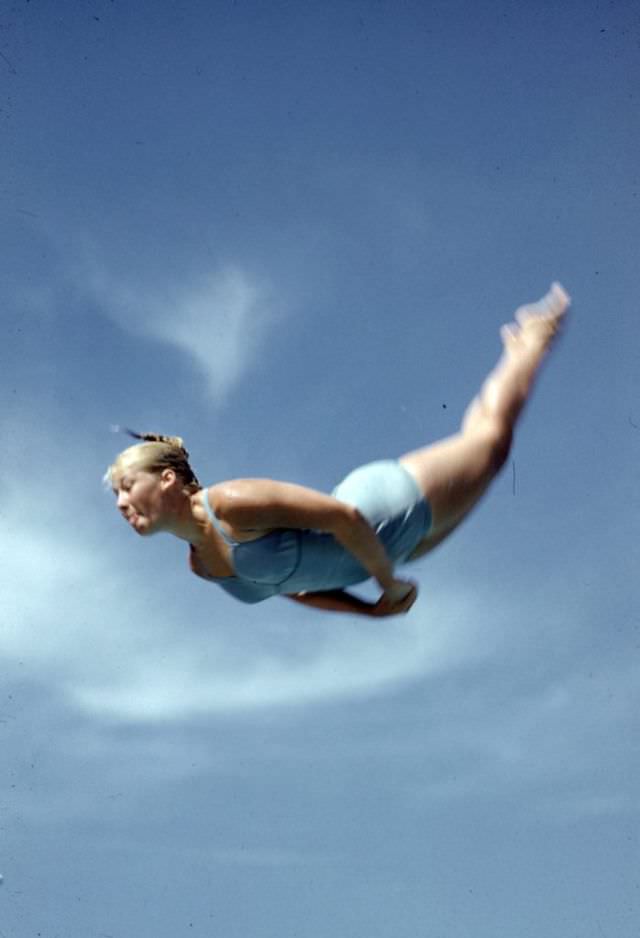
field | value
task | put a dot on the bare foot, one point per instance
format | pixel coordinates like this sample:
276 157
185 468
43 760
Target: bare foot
537 324
510 335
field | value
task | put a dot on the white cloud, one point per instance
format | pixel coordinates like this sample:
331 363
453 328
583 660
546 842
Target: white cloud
180 683
220 317
122 653
221 320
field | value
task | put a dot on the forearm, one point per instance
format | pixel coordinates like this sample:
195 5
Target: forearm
358 537
334 601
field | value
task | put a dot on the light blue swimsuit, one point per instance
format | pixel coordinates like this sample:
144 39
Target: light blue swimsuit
295 561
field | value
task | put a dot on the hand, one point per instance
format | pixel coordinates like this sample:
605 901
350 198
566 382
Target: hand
397 598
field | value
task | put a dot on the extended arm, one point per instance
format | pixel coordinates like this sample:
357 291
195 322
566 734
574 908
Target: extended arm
334 601
261 505
341 601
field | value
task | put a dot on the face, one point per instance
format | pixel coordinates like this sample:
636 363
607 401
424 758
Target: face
139 499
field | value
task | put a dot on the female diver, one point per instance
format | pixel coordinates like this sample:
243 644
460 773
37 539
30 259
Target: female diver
257 537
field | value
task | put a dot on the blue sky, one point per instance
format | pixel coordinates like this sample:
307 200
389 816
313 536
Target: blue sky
290 234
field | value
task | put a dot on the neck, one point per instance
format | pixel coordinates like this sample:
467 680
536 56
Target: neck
184 523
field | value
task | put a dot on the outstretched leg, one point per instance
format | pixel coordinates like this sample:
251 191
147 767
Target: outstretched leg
454 473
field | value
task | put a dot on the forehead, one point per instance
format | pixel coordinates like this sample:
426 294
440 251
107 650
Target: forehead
125 473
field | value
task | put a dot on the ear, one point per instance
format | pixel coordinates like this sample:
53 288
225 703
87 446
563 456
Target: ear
168 478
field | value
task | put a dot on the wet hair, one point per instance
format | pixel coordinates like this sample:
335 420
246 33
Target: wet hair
154 453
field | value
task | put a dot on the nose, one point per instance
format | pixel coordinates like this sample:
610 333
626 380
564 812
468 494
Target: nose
121 500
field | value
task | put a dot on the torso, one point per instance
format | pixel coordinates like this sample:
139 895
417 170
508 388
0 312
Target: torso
209 561
295 560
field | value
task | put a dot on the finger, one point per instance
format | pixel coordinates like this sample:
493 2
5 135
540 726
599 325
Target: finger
411 598
401 590
404 605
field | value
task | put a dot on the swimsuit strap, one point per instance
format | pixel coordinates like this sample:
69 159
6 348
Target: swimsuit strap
215 521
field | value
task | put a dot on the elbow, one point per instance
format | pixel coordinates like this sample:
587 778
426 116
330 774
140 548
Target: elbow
348 522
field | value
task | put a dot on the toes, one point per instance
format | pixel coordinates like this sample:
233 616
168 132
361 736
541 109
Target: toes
558 299
551 307
509 334
524 313
555 302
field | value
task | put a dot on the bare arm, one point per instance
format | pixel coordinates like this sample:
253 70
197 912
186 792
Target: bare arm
260 505
341 601
334 601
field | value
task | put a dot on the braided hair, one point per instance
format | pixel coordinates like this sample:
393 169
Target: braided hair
154 453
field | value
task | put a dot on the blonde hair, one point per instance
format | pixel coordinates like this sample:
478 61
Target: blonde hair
153 454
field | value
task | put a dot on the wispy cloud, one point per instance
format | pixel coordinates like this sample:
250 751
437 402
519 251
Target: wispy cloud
222 324
221 320
220 315
173 683
122 654
565 743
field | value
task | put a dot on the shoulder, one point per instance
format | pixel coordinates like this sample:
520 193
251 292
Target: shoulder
225 497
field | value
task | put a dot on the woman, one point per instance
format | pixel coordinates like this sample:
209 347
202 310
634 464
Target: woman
257 538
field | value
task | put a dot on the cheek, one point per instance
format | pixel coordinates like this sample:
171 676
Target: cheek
152 499
139 498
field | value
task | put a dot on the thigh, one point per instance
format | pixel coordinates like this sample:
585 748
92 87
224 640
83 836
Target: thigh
452 475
